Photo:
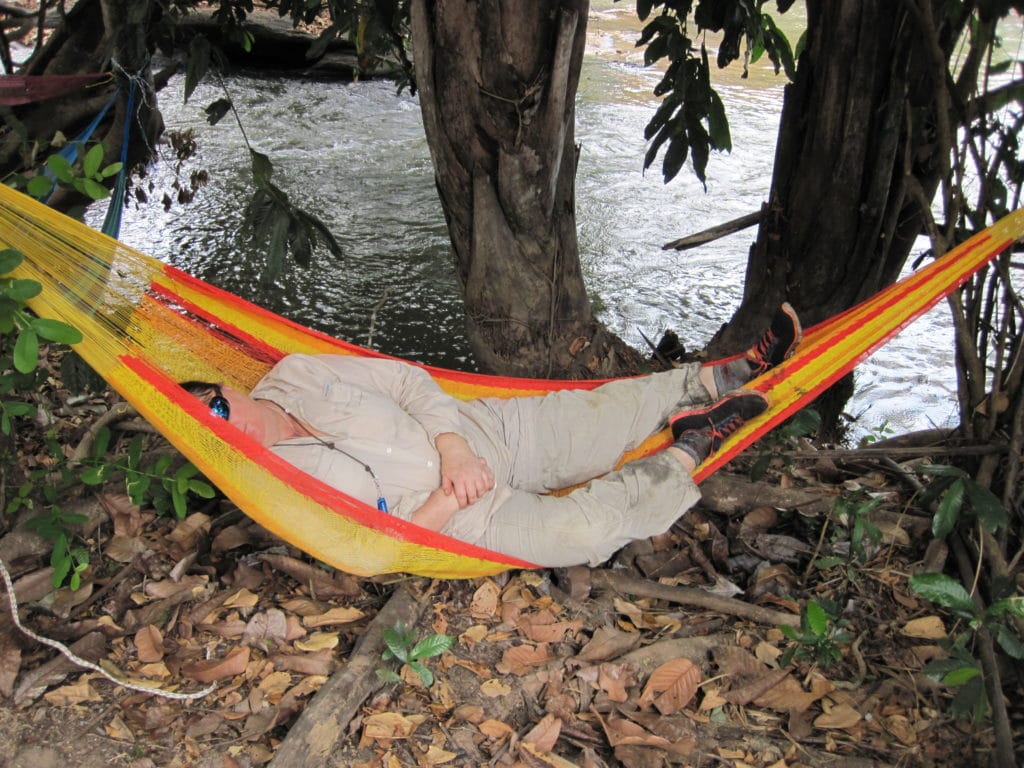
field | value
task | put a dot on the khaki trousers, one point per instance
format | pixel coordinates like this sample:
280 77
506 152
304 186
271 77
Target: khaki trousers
540 444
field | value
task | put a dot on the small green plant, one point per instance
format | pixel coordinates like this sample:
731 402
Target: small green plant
957 496
805 422
961 669
147 485
86 179
850 513
20 332
881 432
819 636
400 643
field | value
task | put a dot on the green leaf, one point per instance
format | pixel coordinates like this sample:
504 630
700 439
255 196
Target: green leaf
60 168
95 475
92 160
790 632
198 63
23 290
111 170
960 675
94 189
16 408
179 502
10 259
817 619
426 676
1013 606
986 506
388 676
102 442
434 645
201 489
55 330
948 511
1008 641
396 643
40 186
941 470
26 351
262 169
943 590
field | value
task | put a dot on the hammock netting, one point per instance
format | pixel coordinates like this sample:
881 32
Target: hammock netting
147 326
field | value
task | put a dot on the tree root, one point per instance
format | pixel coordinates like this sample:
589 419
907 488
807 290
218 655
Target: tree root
621 582
323 724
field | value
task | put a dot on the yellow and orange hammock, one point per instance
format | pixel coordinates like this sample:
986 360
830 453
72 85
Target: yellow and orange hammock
148 326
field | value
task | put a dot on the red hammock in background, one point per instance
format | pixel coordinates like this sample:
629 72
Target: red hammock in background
26 89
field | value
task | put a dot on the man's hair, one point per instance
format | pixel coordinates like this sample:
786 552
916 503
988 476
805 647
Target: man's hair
200 388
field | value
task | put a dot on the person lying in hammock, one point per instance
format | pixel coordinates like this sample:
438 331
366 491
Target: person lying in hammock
481 470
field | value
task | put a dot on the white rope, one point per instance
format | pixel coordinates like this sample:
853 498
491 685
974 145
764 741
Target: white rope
154 689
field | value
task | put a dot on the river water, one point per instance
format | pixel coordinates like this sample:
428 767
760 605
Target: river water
355 155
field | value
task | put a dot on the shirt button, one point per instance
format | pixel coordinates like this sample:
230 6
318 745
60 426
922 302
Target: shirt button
430 463
388 451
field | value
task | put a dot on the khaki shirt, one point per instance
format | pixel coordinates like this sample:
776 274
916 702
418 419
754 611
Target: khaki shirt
381 416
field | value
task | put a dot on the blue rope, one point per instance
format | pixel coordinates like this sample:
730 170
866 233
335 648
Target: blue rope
70 150
112 221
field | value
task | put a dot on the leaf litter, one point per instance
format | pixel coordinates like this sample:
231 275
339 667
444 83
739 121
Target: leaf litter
548 668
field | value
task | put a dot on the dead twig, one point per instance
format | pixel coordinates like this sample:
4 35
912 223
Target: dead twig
622 582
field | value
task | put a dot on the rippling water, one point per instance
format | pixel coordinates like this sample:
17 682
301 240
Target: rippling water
355 154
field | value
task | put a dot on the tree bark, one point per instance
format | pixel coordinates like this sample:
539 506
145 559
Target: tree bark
497 84
859 131
100 35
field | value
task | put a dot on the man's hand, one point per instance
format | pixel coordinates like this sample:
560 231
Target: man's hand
463 473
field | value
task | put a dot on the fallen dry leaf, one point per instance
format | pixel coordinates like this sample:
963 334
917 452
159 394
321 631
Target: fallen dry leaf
390 725
607 643
267 628
542 627
493 688
485 601
841 716
520 659
188 531
545 733
676 681
495 729
614 679
233 664
318 642
149 644
243 598
77 692
340 615
926 628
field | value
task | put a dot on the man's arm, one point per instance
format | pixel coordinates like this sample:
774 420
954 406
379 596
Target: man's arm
435 512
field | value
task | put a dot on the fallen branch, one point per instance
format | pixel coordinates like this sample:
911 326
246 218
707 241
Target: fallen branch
621 582
118 412
323 724
713 233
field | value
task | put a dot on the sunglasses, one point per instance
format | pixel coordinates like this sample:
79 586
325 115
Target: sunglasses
219 406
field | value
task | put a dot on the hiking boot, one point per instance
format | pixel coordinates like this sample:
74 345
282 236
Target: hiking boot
701 432
778 343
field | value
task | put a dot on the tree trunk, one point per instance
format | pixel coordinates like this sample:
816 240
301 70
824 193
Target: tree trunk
99 35
859 142
497 82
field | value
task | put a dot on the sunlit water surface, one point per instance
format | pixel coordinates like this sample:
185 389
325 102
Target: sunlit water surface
355 154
